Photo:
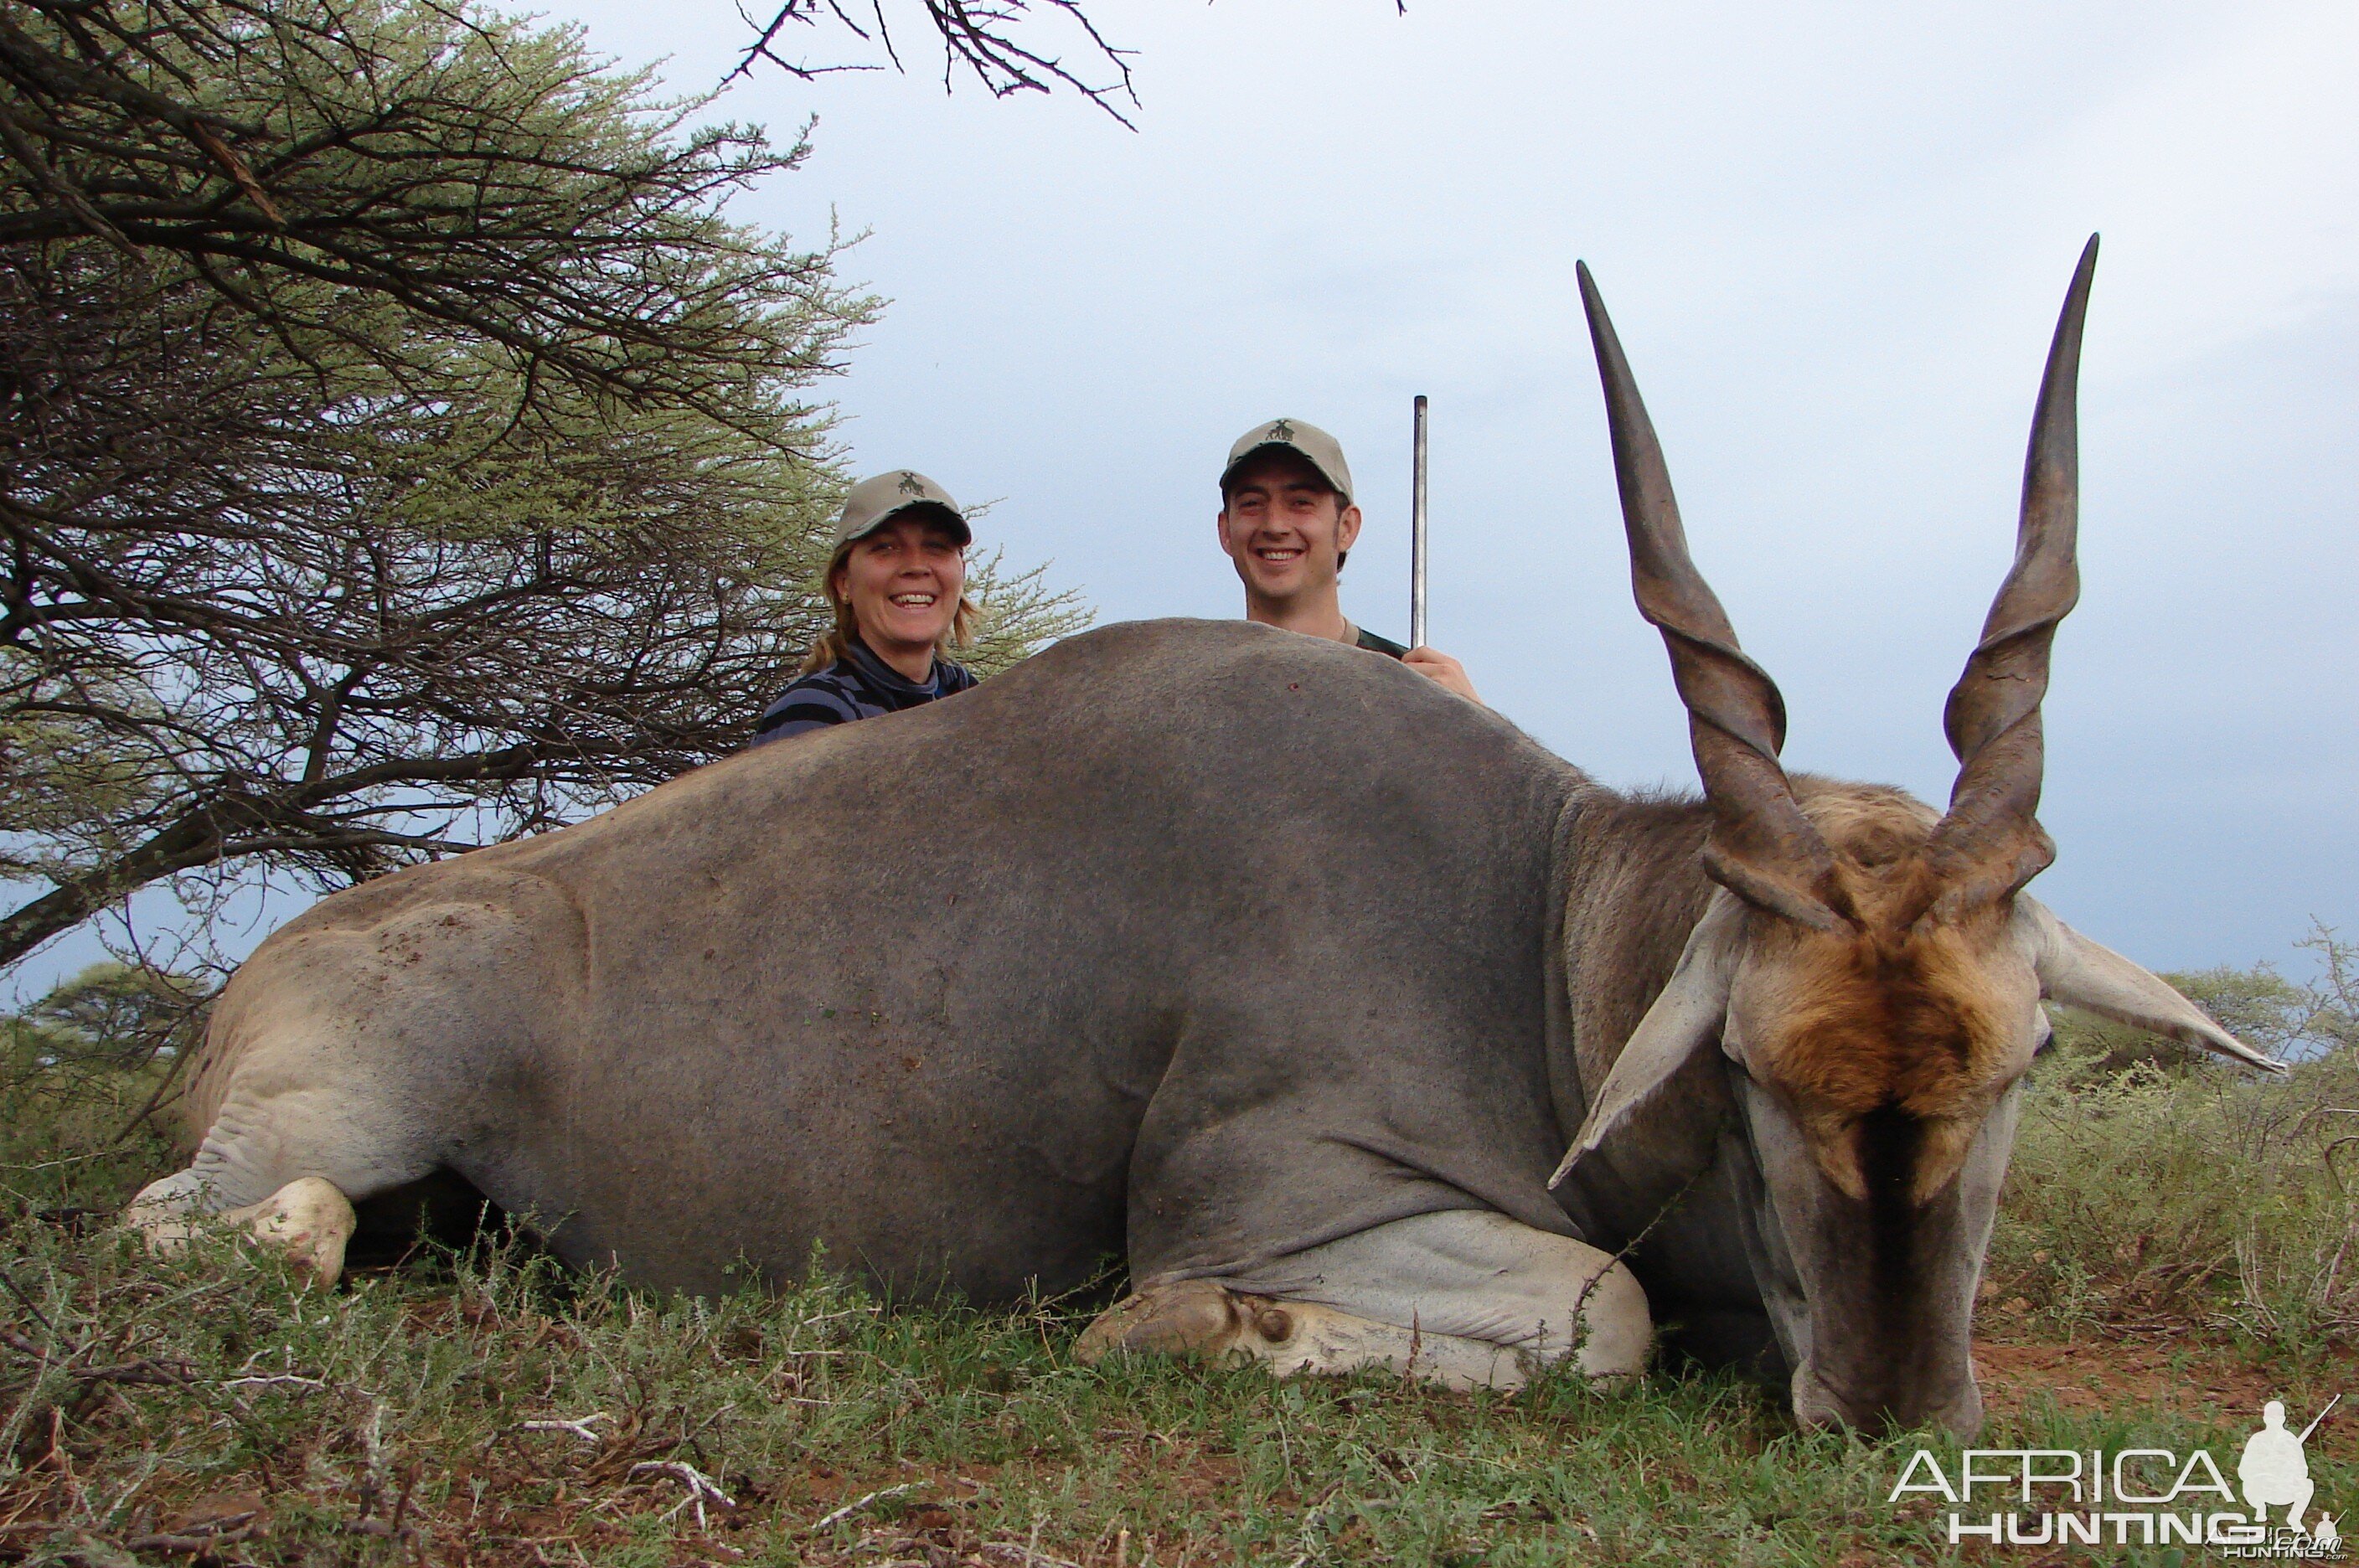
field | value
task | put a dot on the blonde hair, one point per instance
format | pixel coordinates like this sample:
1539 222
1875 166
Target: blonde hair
836 641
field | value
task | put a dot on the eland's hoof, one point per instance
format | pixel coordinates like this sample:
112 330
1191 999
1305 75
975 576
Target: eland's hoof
309 1219
1194 1317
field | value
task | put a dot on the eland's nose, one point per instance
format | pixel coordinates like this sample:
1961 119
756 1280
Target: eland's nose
1956 1407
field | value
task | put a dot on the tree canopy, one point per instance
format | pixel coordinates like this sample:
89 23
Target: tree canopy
400 446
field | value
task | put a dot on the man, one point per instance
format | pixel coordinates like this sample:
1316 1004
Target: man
1287 522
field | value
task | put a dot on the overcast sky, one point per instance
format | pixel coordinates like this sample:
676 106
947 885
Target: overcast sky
1835 238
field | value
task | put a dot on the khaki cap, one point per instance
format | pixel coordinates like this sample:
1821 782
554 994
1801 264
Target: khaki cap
1315 446
875 502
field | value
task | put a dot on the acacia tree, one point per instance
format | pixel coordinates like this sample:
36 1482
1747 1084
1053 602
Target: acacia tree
398 447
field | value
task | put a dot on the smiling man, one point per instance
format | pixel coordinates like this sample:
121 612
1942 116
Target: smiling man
1287 521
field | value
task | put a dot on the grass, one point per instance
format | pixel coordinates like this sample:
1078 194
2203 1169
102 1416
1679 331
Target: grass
482 1407
493 1411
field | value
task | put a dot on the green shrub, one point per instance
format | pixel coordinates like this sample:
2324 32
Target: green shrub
88 1075
2153 1186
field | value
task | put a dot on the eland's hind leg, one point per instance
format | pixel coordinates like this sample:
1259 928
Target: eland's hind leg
285 1167
345 1060
1468 1298
301 1134
309 1218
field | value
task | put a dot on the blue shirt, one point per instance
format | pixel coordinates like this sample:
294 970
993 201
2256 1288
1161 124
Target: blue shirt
858 686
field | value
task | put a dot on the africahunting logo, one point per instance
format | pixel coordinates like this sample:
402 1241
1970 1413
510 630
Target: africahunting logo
1281 432
2136 1496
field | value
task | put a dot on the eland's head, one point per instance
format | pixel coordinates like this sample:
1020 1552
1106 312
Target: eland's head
1871 970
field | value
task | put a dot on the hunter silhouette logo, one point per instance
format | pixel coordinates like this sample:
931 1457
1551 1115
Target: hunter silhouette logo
911 484
1281 432
2274 1471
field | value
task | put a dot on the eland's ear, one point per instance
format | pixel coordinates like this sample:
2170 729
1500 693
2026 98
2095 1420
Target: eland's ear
2081 974
1686 1018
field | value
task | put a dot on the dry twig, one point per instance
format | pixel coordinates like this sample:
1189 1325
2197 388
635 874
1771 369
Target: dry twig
700 1486
857 1504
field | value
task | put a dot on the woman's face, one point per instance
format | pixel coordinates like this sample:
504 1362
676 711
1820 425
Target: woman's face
903 582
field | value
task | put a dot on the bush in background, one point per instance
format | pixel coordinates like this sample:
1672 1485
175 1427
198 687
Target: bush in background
88 1075
2152 1188
402 447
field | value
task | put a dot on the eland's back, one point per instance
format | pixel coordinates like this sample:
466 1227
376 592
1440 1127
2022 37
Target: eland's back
908 989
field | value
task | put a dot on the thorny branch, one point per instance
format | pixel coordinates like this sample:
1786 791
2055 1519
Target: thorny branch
303 156
980 39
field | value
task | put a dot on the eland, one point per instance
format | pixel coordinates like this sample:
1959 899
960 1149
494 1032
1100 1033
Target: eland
1267 963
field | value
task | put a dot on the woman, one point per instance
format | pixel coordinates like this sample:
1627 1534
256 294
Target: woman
897 585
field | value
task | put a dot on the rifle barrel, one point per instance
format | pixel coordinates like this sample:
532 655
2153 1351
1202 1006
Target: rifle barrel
1416 528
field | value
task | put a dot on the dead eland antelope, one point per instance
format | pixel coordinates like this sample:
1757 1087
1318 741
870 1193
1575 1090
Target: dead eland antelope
1268 962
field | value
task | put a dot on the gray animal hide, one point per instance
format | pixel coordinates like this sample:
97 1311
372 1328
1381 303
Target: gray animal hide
1204 938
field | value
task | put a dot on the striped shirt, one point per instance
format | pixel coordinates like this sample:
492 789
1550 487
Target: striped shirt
858 686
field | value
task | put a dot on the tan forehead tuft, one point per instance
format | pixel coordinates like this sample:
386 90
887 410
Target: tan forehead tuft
1915 1016
1856 1023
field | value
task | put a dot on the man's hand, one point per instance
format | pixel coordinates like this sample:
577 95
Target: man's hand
1442 670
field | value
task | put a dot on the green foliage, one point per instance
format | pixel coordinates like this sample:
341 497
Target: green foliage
2147 1191
119 1016
58 771
401 447
408 197
84 1073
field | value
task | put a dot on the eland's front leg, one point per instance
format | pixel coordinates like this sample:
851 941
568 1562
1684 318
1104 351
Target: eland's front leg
1466 1298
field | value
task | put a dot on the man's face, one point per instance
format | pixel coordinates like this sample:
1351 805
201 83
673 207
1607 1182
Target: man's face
1285 529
